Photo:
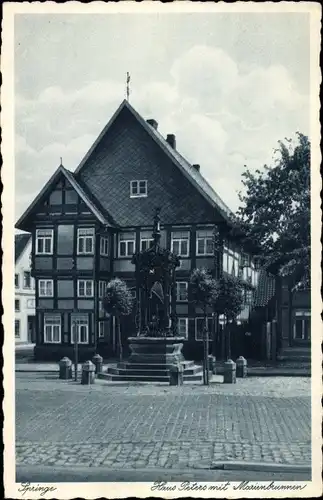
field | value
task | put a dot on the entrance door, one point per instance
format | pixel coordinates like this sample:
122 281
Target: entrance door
302 328
31 330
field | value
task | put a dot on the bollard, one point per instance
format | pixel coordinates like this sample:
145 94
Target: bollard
88 373
229 375
176 375
65 368
212 365
242 367
97 360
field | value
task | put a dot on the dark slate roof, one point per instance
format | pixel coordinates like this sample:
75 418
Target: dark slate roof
265 289
186 168
21 241
104 219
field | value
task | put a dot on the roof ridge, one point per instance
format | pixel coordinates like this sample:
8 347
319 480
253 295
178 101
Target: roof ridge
199 182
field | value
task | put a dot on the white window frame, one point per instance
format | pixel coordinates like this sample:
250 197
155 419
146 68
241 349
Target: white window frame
174 239
85 282
185 335
82 320
135 189
127 242
200 318
85 237
102 287
178 286
44 238
101 329
17 322
205 239
44 283
17 302
147 240
18 280
59 324
104 245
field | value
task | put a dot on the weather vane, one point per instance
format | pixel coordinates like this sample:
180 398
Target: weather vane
128 85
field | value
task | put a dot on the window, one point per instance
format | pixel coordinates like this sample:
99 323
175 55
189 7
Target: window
133 293
101 329
44 241
302 325
85 240
127 244
248 296
17 305
182 327
146 243
180 243
17 280
80 326
30 303
199 328
85 288
45 288
52 329
17 328
138 189
104 245
102 287
204 243
27 279
181 291
225 259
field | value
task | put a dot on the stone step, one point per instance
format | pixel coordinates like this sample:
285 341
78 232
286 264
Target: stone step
146 378
294 359
145 371
295 351
152 366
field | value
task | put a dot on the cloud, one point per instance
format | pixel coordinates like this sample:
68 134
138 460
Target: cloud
224 117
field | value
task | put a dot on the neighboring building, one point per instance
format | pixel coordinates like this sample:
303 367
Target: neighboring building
86 225
24 291
275 301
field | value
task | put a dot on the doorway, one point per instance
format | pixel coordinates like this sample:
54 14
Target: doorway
31 329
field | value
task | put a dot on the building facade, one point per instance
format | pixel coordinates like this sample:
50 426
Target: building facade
85 227
25 331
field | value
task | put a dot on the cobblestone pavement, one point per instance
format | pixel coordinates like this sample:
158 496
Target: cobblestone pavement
64 424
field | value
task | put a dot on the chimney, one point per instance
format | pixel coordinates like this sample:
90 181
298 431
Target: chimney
171 139
196 166
153 123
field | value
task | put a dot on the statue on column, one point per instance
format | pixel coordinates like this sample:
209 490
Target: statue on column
155 269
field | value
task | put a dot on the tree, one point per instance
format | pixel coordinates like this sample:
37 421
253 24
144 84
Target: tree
275 211
204 290
229 303
118 302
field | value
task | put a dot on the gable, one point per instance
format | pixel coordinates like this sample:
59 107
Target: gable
127 152
61 194
21 242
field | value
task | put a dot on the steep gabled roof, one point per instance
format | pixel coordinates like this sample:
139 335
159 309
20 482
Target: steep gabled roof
195 177
106 220
21 241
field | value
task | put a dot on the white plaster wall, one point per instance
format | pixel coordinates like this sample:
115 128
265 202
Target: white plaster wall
26 296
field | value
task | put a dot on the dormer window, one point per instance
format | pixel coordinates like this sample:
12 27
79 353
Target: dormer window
138 189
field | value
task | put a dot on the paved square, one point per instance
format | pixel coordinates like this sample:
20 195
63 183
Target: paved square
137 426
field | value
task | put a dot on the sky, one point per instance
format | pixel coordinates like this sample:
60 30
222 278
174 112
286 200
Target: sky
228 85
